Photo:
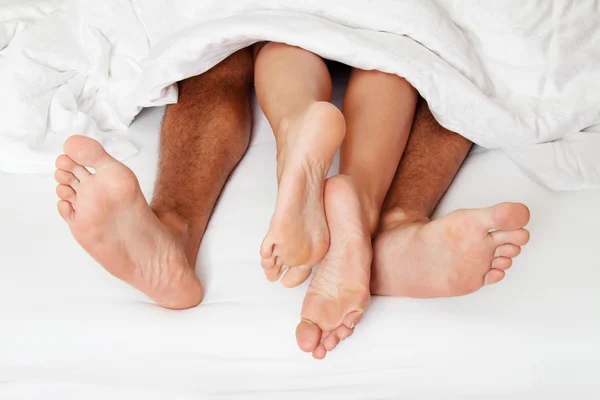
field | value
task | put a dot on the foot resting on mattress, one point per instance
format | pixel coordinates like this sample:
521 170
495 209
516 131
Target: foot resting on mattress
339 292
451 256
110 218
298 236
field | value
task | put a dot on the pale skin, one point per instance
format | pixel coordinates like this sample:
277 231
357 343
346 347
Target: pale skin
336 220
154 247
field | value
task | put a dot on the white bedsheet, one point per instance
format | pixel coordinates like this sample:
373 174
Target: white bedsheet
69 330
506 74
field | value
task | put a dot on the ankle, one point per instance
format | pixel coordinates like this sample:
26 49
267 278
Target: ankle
395 217
371 211
178 225
371 208
184 231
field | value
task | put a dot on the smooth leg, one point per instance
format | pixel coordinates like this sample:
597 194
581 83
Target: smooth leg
154 249
379 110
293 87
454 255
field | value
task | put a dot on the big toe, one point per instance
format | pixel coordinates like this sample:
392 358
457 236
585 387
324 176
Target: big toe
507 216
308 336
86 151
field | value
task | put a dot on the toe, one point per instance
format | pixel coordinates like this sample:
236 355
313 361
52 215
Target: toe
64 162
273 274
86 151
267 247
507 250
268 263
319 353
67 164
493 276
352 319
331 341
308 336
335 337
65 192
65 178
343 332
518 237
506 216
502 263
65 209
296 276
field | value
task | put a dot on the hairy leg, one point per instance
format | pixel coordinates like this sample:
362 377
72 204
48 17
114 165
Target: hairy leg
379 110
154 249
293 87
203 138
454 255
431 160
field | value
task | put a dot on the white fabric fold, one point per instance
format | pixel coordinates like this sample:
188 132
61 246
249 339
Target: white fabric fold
519 75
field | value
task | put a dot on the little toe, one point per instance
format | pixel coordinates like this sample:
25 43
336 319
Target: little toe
507 250
65 209
493 276
502 263
65 192
65 178
506 216
518 237
344 332
66 163
308 336
352 319
296 276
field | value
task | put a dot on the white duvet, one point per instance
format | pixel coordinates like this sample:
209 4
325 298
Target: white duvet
523 75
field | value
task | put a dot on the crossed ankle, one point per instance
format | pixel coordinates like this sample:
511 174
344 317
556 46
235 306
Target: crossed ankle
396 217
370 207
182 229
371 212
175 222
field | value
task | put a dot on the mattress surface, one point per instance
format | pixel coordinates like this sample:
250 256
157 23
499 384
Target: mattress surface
69 330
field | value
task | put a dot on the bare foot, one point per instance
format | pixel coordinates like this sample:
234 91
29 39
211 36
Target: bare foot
339 292
111 220
298 237
451 256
